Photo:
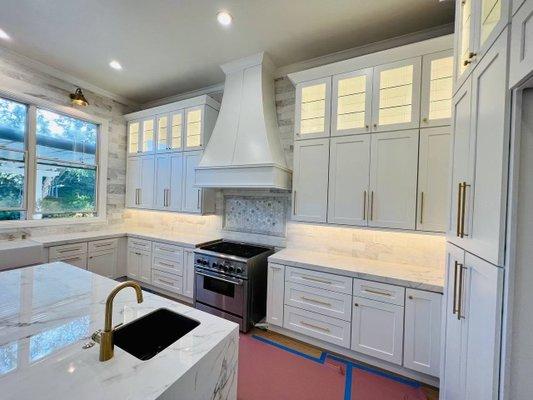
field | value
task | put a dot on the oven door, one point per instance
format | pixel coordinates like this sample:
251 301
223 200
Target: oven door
221 291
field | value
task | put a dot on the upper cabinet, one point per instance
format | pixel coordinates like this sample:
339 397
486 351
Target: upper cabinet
352 103
521 44
165 180
477 25
313 109
396 95
437 89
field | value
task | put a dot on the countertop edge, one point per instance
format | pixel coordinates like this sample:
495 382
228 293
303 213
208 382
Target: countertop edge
363 275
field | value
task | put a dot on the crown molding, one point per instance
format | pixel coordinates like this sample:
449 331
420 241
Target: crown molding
70 80
218 87
366 49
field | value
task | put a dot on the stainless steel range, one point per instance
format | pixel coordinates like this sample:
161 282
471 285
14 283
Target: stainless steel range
231 281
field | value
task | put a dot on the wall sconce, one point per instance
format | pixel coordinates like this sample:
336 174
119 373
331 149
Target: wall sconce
78 98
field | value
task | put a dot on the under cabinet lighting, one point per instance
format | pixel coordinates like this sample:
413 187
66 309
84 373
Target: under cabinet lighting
4 35
224 18
115 65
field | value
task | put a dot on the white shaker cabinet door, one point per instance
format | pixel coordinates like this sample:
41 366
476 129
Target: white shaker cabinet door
133 181
103 263
275 294
310 180
188 273
433 176
146 191
486 198
192 195
481 303
393 176
145 266
423 313
133 263
349 174
162 182
521 44
377 329
175 194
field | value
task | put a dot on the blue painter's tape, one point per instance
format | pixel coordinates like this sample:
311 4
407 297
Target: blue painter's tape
348 384
319 360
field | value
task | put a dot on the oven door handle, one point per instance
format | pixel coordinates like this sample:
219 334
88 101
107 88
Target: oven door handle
237 282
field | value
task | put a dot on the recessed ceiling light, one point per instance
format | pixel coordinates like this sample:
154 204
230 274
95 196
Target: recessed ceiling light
4 35
115 65
224 18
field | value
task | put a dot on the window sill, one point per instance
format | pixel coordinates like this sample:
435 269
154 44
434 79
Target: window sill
35 223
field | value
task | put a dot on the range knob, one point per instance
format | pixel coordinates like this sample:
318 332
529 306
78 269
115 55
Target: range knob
224 268
230 268
215 265
239 270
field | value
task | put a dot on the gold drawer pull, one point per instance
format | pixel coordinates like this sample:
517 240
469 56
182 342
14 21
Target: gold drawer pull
166 282
377 292
316 301
315 326
310 278
166 264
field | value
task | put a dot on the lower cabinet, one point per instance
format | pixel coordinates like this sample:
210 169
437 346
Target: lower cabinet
139 264
422 331
188 273
377 329
275 293
103 263
389 322
77 260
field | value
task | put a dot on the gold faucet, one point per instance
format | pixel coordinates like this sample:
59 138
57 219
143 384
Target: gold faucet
105 338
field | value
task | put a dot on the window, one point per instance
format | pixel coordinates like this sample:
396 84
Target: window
55 178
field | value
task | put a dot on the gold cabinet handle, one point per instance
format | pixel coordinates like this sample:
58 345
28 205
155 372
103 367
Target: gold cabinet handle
424 120
410 297
140 196
294 202
378 292
466 62
372 205
310 278
198 199
460 296
454 305
364 205
421 208
316 301
459 198
472 54
320 328
463 209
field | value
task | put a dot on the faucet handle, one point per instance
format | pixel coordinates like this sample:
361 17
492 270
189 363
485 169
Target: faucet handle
96 336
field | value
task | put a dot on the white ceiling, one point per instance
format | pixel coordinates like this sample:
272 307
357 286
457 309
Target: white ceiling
173 46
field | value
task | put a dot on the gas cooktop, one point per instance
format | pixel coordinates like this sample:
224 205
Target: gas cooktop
237 249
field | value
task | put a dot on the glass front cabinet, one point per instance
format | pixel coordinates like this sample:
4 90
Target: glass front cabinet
169 132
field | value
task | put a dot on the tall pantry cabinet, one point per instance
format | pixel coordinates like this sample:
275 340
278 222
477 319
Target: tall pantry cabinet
372 139
478 200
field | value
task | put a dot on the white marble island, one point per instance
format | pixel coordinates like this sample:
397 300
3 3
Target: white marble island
48 312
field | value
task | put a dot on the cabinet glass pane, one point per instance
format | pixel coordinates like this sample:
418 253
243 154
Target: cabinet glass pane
313 109
148 135
176 130
440 88
395 95
194 128
466 24
490 15
351 103
134 137
162 129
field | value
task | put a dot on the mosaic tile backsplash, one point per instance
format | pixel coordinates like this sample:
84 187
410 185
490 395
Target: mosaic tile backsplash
260 215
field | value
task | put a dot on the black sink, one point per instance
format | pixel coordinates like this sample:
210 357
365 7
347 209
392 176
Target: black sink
152 333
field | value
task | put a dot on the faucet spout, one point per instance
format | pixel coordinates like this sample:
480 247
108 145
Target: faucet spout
106 337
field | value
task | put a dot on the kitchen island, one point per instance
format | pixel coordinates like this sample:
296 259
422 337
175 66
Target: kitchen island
47 316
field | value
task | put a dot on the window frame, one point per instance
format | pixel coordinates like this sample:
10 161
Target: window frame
101 158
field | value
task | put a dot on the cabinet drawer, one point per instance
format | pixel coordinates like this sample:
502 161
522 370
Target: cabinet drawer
325 302
168 266
322 280
67 250
173 283
101 245
168 251
78 260
379 291
139 244
328 329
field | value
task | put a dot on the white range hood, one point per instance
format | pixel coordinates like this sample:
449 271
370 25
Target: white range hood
244 150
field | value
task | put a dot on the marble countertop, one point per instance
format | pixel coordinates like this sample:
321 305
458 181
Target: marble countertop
412 276
178 238
48 312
